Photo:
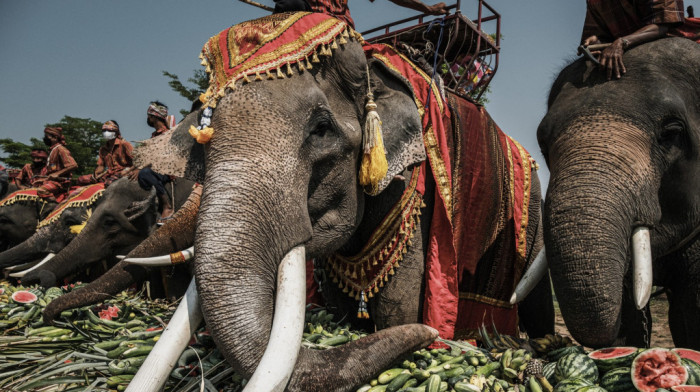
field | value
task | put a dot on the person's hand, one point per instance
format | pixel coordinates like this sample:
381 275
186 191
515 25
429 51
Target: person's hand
133 174
611 59
437 9
592 40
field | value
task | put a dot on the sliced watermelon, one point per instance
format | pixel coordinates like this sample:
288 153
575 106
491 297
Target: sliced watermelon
658 368
24 297
693 371
613 357
688 354
686 388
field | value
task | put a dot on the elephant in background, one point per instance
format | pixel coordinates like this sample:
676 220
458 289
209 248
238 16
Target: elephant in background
52 236
126 216
18 221
624 157
281 171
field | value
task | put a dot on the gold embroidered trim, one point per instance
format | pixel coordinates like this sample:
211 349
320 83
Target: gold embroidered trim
525 159
53 217
370 268
485 300
20 197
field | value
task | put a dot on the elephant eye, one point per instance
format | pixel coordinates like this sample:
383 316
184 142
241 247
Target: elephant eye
321 128
671 133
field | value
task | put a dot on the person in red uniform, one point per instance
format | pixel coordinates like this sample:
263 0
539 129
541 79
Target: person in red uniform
59 166
37 168
627 23
115 157
339 8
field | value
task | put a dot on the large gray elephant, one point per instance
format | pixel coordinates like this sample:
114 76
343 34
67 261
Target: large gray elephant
624 157
54 233
281 171
19 219
126 216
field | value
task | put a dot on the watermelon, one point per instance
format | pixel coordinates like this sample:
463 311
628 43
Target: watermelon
618 380
613 357
571 385
657 368
592 388
24 297
576 365
548 372
693 371
554 355
688 354
686 388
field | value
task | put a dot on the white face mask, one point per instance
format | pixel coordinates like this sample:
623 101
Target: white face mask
109 135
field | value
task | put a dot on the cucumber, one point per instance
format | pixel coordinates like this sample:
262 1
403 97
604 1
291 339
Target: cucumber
109 344
335 340
389 375
398 381
465 387
433 384
489 368
120 379
378 388
137 351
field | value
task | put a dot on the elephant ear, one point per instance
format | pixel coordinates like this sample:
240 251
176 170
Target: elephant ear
401 124
174 153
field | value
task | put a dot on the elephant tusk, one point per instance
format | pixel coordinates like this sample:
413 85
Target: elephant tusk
531 277
155 370
280 356
37 265
163 260
641 266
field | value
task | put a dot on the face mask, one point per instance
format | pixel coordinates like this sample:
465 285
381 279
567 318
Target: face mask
47 141
149 121
109 135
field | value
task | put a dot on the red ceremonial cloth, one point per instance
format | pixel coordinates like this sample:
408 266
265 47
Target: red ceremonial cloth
78 197
24 194
482 193
689 29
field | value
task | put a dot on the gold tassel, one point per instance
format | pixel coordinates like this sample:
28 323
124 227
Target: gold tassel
201 135
314 58
289 70
245 77
308 63
334 45
270 76
374 164
257 76
280 75
342 40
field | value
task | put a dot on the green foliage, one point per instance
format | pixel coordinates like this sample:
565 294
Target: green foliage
83 140
18 154
191 94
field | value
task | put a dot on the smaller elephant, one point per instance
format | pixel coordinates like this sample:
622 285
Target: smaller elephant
57 230
20 213
126 216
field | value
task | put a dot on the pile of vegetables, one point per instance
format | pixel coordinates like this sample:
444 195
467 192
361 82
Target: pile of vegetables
99 348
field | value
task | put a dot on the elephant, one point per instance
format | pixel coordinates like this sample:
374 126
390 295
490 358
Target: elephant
624 158
281 172
19 217
57 230
126 216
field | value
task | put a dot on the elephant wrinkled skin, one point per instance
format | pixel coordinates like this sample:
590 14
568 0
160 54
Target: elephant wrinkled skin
625 154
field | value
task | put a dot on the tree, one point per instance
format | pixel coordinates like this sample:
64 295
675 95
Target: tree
83 140
200 80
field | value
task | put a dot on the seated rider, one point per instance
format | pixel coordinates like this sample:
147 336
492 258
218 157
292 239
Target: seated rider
115 157
59 166
339 8
627 23
25 178
157 117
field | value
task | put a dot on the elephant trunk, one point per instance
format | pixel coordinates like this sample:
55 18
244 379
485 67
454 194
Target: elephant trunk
244 230
593 205
33 248
176 234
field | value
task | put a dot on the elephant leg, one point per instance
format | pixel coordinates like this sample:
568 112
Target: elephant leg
684 298
536 311
400 300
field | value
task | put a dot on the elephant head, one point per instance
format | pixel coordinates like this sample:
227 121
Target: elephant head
282 172
19 219
126 215
624 156
53 233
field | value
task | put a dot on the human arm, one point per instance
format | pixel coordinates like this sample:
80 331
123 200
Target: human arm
437 9
611 57
69 164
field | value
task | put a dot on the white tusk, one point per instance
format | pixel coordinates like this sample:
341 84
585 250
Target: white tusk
641 266
162 261
533 275
277 363
156 369
39 264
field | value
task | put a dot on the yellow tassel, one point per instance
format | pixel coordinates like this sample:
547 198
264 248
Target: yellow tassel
342 40
334 45
289 70
376 289
391 271
245 77
314 58
202 136
354 273
374 164
270 76
257 76
76 229
308 63
280 75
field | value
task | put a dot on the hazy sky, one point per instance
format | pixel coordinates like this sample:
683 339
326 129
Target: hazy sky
104 59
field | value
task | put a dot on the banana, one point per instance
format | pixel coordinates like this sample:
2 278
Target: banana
545 384
506 358
534 385
518 364
509 374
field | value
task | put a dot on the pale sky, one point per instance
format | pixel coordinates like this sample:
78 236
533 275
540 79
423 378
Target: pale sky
103 59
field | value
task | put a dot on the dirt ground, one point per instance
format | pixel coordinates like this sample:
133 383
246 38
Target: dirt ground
661 334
